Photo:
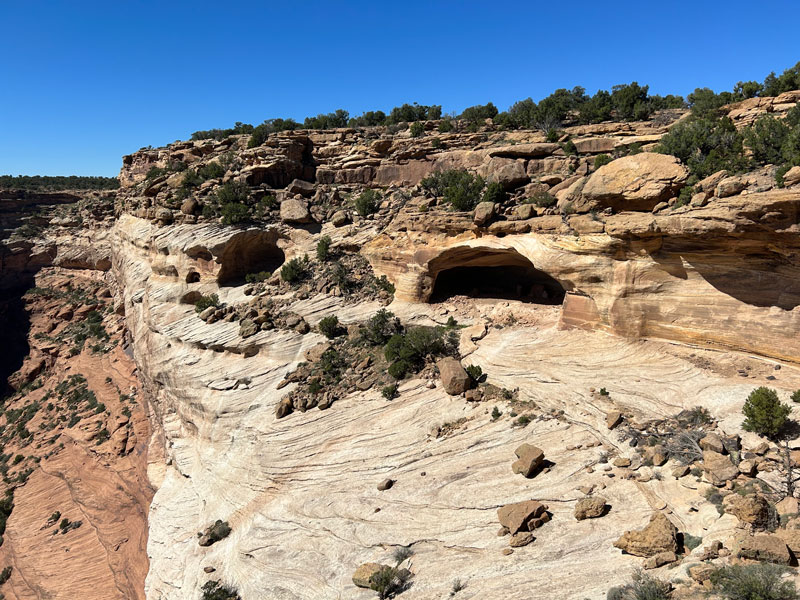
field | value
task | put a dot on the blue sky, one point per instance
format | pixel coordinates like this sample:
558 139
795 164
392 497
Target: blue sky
85 82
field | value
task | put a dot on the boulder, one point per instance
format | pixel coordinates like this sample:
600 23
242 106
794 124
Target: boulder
363 575
508 173
285 407
792 177
214 533
385 485
247 328
718 468
524 211
523 538
590 508
314 353
520 516
712 442
298 186
765 547
636 182
660 559
659 535
787 506
295 211
340 218
190 206
730 186
454 378
529 460
484 213
751 509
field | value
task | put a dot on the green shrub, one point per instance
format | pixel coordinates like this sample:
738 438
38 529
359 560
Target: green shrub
765 138
764 413
214 590
691 541
474 371
494 192
643 587
706 146
5 575
795 396
232 192
445 126
380 328
390 581
323 248
383 283
762 581
329 326
295 270
154 172
496 414
398 369
569 148
542 200
368 202
234 213
314 386
418 343
212 170
779 174
257 277
461 189
601 159
389 391
206 301
417 129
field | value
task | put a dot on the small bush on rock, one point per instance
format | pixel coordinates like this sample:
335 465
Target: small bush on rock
329 327
389 391
234 213
795 396
323 248
417 129
600 160
643 587
461 189
542 200
205 302
764 413
257 277
753 582
380 328
368 202
390 581
214 590
494 193
475 372
295 270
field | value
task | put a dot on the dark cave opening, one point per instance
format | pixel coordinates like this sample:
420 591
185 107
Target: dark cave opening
501 282
249 254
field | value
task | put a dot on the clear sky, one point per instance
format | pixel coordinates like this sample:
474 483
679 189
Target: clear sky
84 82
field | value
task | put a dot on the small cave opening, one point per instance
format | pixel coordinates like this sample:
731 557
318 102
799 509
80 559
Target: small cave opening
249 252
507 276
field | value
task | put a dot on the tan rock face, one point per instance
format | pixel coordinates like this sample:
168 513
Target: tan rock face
658 536
636 182
519 516
762 546
750 509
718 468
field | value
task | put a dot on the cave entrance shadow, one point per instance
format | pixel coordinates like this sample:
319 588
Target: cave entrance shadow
497 275
249 252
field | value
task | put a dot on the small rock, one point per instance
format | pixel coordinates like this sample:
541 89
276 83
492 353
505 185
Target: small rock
484 213
340 218
523 538
660 559
613 419
659 535
590 508
530 460
385 484
622 462
507 551
454 378
208 569
712 442
363 576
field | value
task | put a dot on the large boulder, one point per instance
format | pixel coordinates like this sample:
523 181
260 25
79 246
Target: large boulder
509 173
295 211
660 535
298 186
792 177
454 378
636 182
529 460
522 516
765 547
751 509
